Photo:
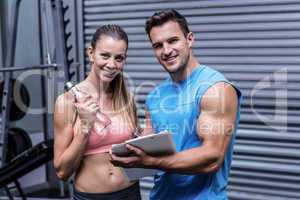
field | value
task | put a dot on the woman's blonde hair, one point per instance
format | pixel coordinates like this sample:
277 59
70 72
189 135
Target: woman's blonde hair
124 102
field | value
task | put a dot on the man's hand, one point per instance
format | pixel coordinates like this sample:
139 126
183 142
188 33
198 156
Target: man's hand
137 158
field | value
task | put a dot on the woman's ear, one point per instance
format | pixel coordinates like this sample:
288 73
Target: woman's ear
90 53
190 39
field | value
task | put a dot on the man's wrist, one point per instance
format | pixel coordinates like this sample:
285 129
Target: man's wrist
154 162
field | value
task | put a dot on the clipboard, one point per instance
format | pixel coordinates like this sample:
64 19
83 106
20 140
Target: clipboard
153 144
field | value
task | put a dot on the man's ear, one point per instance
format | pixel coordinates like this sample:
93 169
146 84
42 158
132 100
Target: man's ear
90 53
190 39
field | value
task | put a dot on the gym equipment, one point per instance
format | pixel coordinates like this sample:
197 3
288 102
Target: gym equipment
15 112
18 157
13 163
18 142
25 162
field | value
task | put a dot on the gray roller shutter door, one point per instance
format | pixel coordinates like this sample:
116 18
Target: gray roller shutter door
256 44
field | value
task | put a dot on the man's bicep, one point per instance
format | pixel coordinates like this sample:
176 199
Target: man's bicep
216 122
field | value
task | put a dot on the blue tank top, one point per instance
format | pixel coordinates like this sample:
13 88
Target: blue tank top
175 107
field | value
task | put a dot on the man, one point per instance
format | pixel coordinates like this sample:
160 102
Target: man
198 106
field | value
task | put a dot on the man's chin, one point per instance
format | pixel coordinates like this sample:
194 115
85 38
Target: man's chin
171 69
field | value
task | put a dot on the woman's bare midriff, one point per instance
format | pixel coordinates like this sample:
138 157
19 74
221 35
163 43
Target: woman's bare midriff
98 175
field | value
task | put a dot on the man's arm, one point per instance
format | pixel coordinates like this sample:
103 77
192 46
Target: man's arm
148 128
215 126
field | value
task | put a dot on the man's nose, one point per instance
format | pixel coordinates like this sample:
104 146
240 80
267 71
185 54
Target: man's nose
167 50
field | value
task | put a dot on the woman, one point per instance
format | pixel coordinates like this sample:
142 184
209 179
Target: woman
101 113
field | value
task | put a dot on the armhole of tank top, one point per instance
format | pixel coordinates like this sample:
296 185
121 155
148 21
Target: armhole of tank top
199 102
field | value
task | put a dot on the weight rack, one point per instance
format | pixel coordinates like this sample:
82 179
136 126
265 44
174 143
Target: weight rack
62 64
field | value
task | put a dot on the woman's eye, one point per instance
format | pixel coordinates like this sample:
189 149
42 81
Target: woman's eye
105 56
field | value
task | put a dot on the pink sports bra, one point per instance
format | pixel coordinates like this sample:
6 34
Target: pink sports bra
102 137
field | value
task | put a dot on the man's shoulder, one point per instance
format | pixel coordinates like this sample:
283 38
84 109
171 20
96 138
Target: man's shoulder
210 73
204 78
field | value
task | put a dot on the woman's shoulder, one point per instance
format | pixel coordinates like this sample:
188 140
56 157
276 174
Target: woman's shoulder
64 100
64 110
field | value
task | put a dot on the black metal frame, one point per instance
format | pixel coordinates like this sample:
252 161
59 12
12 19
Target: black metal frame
33 67
2 30
9 61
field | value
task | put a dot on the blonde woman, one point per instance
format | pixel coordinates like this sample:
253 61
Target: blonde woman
101 113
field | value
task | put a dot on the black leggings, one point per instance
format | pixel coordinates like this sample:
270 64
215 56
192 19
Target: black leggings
130 193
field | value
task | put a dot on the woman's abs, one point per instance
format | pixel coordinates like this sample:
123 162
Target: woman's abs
97 175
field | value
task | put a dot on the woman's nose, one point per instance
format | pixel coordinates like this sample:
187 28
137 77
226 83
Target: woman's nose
111 63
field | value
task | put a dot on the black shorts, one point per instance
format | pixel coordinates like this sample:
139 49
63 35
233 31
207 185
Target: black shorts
130 193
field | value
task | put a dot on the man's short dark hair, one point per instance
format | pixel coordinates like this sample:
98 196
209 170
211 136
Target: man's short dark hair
161 17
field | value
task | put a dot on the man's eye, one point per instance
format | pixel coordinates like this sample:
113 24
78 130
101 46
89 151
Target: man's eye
120 59
156 46
172 41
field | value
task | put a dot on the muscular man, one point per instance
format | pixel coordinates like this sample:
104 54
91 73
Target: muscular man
199 106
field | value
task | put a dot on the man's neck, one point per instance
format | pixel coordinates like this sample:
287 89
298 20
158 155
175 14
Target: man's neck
186 71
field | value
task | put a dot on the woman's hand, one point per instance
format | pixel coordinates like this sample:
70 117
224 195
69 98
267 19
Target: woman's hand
86 107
